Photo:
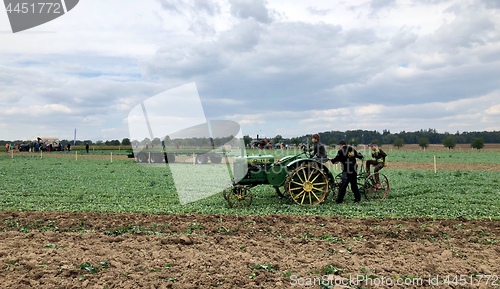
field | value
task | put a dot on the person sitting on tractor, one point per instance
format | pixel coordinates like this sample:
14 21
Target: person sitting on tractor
318 149
378 162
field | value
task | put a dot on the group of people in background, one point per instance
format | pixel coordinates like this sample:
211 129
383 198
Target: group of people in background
36 146
347 156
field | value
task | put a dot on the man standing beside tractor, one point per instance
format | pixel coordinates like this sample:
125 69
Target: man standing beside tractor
347 156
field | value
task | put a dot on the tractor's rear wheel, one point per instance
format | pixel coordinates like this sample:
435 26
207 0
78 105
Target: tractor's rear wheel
376 187
170 158
215 159
201 159
238 196
307 185
157 158
142 158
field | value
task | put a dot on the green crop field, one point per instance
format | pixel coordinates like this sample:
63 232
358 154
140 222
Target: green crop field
31 183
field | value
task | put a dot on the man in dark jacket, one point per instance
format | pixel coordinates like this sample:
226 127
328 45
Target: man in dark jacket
347 156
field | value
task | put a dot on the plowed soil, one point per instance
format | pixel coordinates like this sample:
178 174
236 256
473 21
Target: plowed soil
91 250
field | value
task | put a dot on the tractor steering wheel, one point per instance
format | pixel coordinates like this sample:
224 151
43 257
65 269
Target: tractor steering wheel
308 153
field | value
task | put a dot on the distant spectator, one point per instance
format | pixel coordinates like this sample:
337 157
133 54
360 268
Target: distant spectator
7 147
87 147
68 147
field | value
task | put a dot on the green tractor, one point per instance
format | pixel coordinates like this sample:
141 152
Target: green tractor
301 177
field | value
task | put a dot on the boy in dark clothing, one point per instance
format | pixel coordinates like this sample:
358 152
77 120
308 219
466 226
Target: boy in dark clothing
378 162
318 149
347 156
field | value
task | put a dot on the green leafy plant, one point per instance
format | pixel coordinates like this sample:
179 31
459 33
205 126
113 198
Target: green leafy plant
89 267
267 267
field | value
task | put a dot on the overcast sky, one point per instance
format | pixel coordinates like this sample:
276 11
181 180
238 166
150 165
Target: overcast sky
285 67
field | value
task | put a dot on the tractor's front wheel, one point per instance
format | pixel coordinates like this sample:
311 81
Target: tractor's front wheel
307 185
238 196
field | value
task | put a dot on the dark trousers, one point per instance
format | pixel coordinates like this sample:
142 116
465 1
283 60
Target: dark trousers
346 180
378 167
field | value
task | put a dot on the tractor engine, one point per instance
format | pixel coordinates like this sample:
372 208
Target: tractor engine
252 169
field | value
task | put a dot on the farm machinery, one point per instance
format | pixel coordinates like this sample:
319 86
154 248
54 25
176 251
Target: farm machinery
306 180
301 177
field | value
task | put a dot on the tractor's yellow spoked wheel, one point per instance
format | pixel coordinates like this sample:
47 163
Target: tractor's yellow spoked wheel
307 185
238 197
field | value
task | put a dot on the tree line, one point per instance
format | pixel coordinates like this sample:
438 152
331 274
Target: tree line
386 137
353 137
421 137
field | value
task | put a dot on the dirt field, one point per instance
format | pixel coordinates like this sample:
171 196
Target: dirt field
66 250
90 250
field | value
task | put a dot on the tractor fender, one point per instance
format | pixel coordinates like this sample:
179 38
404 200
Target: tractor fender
297 163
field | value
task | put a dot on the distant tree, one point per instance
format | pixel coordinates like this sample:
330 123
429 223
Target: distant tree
156 141
398 142
145 141
295 141
375 141
114 142
167 140
477 143
247 139
423 142
450 141
354 141
277 139
99 142
126 142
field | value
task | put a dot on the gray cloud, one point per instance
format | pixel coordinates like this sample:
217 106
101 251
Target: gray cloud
379 4
246 9
181 6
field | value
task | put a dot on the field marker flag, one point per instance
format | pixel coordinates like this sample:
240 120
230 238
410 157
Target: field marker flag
177 114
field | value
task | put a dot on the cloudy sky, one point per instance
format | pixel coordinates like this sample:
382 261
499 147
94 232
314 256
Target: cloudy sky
287 67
